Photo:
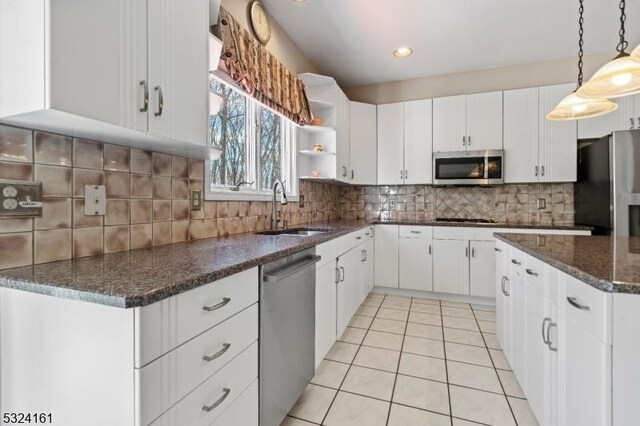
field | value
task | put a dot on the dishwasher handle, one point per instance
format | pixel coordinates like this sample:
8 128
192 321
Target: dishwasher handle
291 269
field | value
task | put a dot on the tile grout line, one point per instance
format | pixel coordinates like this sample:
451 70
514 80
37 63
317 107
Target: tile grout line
446 368
496 371
351 363
397 372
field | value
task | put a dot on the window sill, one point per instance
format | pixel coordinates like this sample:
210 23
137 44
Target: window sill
243 196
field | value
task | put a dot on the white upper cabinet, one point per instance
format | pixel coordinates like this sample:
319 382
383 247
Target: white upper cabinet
537 149
449 124
93 71
390 144
363 144
626 117
484 121
467 122
558 140
418 142
343 138
178 69
405 143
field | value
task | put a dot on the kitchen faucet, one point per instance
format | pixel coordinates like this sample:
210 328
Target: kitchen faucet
283 201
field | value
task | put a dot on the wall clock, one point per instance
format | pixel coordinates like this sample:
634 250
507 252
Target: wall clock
259 21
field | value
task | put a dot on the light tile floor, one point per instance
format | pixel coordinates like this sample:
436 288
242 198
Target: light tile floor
411 361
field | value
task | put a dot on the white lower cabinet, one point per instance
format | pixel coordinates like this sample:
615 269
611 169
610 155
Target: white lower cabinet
415 264
349 283
556 334
451 266
386 256
243 411
482 268
325 308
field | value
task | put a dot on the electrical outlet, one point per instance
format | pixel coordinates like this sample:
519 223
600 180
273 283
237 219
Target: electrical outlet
541 203
20 198
196 200
301 201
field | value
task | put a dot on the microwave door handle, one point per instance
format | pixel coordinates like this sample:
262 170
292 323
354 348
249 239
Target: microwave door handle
486 167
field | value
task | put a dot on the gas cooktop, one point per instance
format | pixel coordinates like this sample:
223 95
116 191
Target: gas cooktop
454 219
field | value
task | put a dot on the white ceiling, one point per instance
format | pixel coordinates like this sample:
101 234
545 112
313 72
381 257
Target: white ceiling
353 40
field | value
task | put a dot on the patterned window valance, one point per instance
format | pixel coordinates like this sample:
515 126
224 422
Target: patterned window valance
259 73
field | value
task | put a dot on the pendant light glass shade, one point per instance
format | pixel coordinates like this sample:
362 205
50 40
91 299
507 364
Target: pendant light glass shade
573 107
635 55
619 77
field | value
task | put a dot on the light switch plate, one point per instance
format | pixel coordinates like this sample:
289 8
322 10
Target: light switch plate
20 198
95 200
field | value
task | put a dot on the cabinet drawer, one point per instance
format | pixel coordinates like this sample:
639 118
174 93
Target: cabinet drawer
243 411
349 241
448 233
535 273
222 389
480 234
328 252
406 231
589 307
168 379
164 325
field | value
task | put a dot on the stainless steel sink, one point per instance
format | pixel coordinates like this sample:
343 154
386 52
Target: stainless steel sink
297 232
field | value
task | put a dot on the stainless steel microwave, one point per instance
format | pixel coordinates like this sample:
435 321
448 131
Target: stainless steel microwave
468 167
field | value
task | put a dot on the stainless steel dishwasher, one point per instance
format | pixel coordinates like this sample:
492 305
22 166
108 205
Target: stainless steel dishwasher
287 333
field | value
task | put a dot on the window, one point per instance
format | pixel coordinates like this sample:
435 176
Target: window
257 145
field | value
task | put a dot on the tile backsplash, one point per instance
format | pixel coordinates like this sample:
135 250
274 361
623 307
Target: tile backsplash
147 200
515 204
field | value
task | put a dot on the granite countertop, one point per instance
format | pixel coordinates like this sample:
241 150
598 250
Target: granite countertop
141 277
610 264
445 222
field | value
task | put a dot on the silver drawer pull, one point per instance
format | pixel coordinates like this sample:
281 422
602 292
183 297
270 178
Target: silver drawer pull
516 262
530 272
497 249
358 238
225 348
573 302
217 305
220 400
416 232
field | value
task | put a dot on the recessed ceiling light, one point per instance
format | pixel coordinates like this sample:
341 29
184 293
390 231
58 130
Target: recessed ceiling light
402 52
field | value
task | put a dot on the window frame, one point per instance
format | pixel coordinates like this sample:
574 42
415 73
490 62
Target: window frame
288 136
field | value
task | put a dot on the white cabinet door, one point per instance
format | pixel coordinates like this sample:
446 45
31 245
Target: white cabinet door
343 137
484 121
348 288
369 267
451 266
521 135
325 309
414 264
517 329
587 376
535 320
386 255
390 144
555 393
363 144
558 140
449 124
418 142
503 301
482 270
178 69
636 112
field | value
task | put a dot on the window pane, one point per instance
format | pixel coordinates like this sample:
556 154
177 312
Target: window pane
270 137
228 133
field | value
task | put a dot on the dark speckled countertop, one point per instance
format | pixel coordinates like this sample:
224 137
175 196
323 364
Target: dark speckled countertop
141 277
610 264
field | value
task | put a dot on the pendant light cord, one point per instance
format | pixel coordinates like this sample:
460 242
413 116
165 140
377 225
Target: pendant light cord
580 42
622 46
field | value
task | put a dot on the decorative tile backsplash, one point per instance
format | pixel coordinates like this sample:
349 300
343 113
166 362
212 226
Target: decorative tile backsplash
147 200
517 204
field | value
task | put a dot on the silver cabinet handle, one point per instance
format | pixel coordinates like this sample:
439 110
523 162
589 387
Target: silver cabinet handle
473 252
574 302
361 255
416 232
541 170
401 174
225 394
502 284
366 255
638 122
406 174
531 272
219 305
466 252
516 262
342 269
145 102
468 140
429 249
358 237
353 174
633 124
551 324
497 249
545 339
225 347
344 171
160 101
535 171
505 292
337 275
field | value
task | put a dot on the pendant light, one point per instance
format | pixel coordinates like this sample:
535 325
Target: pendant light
572 107
619 77
635 55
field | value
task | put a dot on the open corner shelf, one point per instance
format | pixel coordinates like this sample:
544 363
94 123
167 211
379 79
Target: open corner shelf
312 153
